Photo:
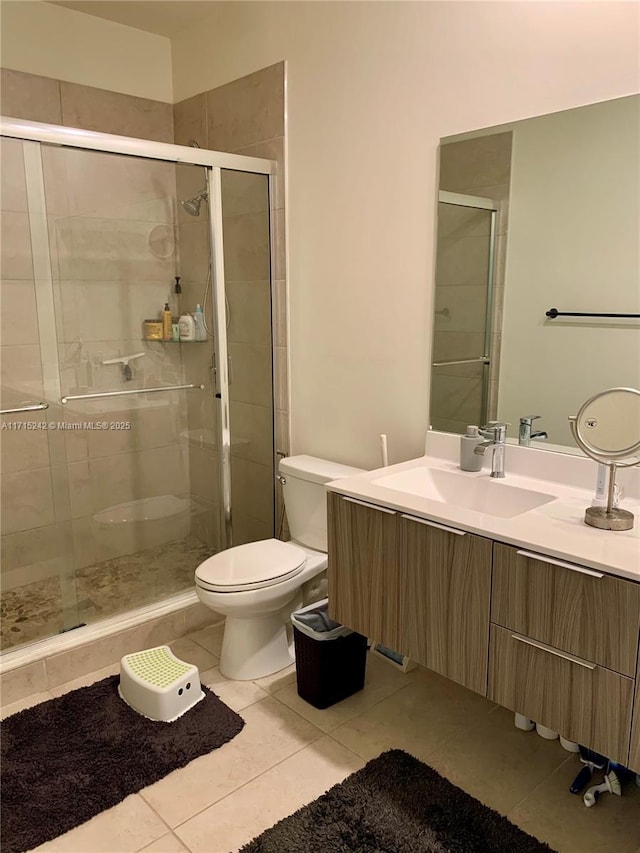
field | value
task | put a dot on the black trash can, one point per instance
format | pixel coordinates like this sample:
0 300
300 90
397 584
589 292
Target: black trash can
330 659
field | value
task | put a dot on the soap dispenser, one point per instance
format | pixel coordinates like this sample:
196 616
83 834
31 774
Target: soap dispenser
470 461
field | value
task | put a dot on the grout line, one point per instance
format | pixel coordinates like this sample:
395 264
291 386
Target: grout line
540 784
349 748
257 142
154 810
62 121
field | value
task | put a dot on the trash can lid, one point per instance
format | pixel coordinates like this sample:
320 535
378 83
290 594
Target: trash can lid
314 621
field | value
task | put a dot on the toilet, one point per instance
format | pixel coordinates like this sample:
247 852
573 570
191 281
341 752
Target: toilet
257 585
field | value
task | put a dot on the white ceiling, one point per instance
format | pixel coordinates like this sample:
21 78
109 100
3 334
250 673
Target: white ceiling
163 17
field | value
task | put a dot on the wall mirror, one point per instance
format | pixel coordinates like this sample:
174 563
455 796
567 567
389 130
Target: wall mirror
537 215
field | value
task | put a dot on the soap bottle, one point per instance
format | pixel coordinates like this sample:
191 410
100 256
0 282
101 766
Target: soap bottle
166 322
470 461
187 328
198 318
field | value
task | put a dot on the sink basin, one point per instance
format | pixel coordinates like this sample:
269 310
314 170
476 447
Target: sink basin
486 495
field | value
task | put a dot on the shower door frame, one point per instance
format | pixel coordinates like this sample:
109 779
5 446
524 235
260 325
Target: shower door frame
488 204
214 162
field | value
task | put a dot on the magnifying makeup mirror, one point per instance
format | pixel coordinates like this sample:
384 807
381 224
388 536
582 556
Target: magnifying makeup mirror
607 428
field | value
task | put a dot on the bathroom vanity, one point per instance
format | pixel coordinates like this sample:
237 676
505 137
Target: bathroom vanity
498 585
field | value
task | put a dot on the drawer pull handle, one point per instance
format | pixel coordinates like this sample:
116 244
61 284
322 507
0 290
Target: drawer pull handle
554 652
435 524
560 563
369 506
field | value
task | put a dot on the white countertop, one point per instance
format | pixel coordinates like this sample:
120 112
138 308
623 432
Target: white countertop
556 529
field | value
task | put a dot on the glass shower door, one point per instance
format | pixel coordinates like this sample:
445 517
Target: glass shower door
236 304
117 246
462 344
158 451
37 561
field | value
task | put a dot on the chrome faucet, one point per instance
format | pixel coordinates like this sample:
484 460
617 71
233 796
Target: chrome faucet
524 433
496 435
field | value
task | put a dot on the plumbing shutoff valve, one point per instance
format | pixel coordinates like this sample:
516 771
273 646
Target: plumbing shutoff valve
158 685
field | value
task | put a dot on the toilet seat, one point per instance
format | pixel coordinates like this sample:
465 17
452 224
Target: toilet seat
255 565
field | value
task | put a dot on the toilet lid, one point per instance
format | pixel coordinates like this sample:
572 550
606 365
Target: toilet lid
251 566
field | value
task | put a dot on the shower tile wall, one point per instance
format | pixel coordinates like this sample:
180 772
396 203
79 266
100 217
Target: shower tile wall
480 167
246 117
36 98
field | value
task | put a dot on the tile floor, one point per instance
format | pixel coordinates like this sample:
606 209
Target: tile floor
289 753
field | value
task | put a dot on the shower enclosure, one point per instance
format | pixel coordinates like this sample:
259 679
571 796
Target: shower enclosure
128 456
465 358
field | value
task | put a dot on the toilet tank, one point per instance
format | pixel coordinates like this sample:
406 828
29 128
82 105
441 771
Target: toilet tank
305 496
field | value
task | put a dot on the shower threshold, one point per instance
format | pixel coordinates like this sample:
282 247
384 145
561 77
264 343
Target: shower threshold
106 628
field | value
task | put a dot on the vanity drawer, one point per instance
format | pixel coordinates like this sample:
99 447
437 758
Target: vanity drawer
580 611
580 700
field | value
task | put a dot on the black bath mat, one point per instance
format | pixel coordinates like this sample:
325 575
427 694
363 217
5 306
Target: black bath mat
396 804
66 760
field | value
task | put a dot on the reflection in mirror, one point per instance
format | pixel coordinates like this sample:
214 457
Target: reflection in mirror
539 214
607 426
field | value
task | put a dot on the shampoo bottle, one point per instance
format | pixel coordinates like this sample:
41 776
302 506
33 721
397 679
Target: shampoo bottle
166 322
198 317
470 461
187 328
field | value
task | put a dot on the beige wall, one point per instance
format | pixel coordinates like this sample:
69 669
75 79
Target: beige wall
52 41
371 89
573 245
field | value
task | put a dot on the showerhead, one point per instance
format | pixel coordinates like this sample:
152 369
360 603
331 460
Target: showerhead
192 205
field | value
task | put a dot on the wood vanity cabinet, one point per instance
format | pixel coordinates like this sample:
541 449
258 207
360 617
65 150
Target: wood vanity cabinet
445 577
554 641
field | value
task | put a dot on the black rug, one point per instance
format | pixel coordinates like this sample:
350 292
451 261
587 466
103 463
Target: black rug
396 804
66 760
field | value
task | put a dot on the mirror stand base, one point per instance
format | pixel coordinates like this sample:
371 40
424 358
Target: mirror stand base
614 519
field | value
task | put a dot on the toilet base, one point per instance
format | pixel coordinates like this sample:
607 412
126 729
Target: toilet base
255 647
